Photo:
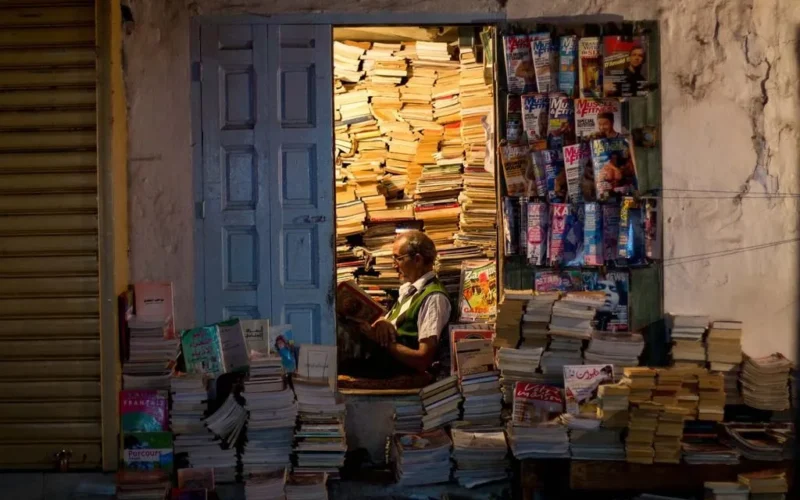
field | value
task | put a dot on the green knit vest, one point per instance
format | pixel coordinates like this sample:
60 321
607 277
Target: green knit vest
407 332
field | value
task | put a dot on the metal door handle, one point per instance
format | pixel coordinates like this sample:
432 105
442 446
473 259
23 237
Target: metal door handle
315 219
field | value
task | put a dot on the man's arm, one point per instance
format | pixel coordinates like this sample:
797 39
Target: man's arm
418 359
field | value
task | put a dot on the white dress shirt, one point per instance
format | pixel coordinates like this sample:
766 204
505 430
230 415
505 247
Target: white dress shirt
435 311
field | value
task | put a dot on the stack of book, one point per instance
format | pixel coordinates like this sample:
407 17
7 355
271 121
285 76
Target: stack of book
347 61
689 392
350 218
319 444
687 332
509 317
441 402
272 414
574 314
142 485
269 483
765 382
422 458
766 484
667 444
711 405
668 385
642 381
479 382
151 353
642 433
480 456
194 445
408 413
597 444
618 349
560 352
726 491
612 408
516 365
724 354
535 429
537 316
477 105
702 445
227 424
307 486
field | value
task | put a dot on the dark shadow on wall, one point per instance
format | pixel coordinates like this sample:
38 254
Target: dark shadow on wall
795 487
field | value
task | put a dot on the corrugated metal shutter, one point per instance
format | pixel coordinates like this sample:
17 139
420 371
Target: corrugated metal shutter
49 324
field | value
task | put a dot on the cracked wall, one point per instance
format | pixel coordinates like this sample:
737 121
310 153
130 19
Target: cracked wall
730 145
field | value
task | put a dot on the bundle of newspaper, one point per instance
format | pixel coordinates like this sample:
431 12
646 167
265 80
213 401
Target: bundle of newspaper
422 458
765 484
535 429
272 416
441 402
307 486
516 365
726 491
480 456
765 382
687 332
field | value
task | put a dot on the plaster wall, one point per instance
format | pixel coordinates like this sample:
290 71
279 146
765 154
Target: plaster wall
731 117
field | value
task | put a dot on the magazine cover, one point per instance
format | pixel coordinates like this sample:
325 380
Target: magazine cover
610 226
558 231
235 356
613 316
513 119
537 233
536 176
580 387
143 410
569 280
535 403
511 225
535 119
148 451
614 167
593 235
202 351
543 52
459 334
630 244
652 229
478 296
598 118
523 225
555 178
576 162
515 164
625 66
154 300
573 239
520 76
560 130
568 64
590 72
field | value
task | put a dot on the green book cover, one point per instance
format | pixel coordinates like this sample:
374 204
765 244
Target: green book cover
148 451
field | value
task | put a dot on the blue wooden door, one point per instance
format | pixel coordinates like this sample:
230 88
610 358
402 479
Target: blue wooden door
267 221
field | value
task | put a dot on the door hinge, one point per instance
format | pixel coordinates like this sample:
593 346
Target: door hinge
200 209
197 71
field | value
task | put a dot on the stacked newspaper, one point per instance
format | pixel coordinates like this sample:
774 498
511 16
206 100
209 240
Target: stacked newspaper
765 382
272 413
480 456
422 458
441 401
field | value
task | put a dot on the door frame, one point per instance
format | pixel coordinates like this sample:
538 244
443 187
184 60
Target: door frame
195 92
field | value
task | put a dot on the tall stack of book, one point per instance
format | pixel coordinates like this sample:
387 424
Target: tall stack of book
642 433
712 397
319 438
765 382
408 414
612 408
621 350
272 414
480 456
689 393
441 402
535 429
509 317
687 332
477 106
570 324
151 346
667 443
642 381
724 354
538 312
422 458
479 382
516 365
766 484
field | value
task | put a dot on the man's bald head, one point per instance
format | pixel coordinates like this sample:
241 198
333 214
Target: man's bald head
418 243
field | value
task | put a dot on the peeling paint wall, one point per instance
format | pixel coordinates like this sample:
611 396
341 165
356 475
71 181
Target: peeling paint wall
730 126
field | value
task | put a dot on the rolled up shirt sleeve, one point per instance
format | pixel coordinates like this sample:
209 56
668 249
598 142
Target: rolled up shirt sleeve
433 316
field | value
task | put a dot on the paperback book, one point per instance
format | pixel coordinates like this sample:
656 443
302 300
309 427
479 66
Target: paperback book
148 451
215 349
144 411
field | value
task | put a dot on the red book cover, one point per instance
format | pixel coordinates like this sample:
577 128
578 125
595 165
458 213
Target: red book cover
143 410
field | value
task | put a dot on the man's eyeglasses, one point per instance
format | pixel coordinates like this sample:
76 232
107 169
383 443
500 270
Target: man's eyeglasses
398 258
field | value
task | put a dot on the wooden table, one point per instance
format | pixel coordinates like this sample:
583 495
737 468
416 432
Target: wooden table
601 476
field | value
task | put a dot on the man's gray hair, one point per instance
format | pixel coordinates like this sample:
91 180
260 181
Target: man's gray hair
419 243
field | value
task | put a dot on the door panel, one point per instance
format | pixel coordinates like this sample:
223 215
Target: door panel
268 176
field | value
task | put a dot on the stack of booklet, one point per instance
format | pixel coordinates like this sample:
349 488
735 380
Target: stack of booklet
765 484
422 458
272 415
574 314
642 433
562 351
479 382
711 405
765 382
441 402
509 317
612 405
687 332
152 350
535 430
307 486
480 456
538 312
702 445
516 365
408 413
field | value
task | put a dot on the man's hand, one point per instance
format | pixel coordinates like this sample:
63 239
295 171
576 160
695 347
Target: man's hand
383 332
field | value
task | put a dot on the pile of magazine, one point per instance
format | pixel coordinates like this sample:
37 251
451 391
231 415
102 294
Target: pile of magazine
535 430
479 381
481 456
516 365
408 413
619 349
441 401
422 458
307 486
765 382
